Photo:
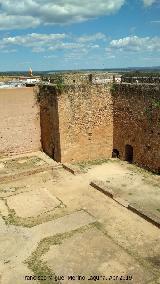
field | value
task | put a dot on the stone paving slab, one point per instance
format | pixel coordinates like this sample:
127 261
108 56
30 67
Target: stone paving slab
145 214
36 202
16 275
18 243
93 253
65 224
133 244
148 216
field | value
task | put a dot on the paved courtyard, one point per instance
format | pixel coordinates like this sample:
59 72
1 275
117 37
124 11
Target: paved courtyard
54 225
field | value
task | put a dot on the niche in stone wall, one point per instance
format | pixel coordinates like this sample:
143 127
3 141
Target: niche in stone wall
115 153
129 153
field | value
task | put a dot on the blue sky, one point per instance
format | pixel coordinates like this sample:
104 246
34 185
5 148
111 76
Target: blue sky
76 34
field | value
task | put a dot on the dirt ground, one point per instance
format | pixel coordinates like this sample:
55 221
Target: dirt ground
55 226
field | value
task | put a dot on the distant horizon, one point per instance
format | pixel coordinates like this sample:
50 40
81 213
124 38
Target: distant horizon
88 69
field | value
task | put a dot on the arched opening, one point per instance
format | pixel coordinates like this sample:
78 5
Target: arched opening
129 153
115 153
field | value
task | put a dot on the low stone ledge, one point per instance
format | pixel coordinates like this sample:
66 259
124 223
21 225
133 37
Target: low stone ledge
101 186
122 202
21 174
72 169
148 216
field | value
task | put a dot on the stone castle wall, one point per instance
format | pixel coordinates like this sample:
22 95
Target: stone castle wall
149 79
19 121
86 122
82 122
84 119
137 123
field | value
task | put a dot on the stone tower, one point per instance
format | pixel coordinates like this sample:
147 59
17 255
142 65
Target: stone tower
30 72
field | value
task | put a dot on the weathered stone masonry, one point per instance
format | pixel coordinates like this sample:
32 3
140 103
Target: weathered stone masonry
81 119
49 121
86 122
137 123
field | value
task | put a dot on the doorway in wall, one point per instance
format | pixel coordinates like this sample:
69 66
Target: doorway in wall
115 153
129 153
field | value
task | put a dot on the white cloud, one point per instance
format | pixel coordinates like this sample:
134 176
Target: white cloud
31 13
39 43
15 14
50 56
34 41
31 39
95 46
66 45
148 2
11 22
43 42
135 43
92 38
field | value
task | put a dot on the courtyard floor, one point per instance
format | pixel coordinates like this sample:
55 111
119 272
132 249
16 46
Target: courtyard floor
56 226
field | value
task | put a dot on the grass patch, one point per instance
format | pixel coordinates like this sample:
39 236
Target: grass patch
15 164
144 171
39 267
7 191
13 219
89 164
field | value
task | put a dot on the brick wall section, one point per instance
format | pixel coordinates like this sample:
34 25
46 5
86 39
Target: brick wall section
85 122
19 121
137 123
